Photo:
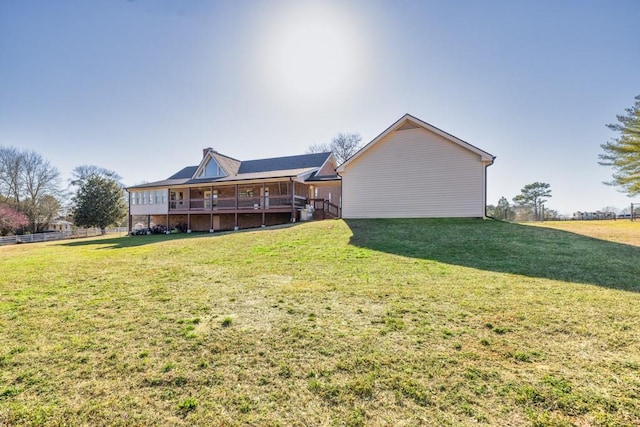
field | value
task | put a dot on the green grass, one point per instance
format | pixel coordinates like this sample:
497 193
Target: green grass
369 322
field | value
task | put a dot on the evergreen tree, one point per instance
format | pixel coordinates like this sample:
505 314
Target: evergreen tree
503 210
623 153
98 202
534 195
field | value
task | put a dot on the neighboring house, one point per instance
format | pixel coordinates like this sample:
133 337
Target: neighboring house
415 170
223 193
60 225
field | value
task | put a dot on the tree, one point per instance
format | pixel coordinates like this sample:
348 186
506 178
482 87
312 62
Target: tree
82 173
503 210
28 182
11 219
623 153
343 146
11 161
98 202
534 195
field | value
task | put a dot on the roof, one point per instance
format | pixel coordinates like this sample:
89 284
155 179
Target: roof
322 178
303 161
228 164
277 167
408 119
285 173
184 173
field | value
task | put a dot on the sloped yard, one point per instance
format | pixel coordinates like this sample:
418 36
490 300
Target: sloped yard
370 322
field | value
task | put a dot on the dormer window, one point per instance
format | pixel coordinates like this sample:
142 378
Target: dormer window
211 170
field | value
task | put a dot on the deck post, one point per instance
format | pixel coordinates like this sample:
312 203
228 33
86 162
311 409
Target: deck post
293 200
264 205
235 227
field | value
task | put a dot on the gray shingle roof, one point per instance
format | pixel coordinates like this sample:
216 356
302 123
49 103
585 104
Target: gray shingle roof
276 167
184 173
302 161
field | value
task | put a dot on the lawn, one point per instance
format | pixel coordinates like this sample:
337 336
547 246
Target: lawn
361 322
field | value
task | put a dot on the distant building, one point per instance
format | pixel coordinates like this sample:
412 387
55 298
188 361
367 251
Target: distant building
60 225
597 215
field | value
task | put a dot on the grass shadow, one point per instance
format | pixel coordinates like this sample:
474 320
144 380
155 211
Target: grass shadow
132 241
506 248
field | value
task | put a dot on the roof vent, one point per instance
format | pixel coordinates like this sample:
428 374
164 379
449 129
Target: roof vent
408 125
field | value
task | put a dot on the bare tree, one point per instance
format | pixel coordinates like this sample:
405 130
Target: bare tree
11 161
343 146
319 148
29 183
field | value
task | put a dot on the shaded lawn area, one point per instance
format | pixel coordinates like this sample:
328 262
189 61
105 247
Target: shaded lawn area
534 251
381 322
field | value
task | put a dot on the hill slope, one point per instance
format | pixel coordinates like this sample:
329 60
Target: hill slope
370 322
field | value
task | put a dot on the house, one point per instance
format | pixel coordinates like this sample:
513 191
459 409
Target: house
410 170
60 224
415 170
223 193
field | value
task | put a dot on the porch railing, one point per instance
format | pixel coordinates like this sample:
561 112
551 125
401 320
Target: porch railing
229 203
326 207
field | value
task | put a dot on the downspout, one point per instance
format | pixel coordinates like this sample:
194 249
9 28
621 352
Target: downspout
485 191
129 213
341 194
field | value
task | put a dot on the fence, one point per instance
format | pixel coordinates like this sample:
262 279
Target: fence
58 235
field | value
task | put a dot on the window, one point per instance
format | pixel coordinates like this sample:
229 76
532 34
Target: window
211 170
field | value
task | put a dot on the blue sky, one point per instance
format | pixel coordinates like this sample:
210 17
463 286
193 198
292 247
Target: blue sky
140 87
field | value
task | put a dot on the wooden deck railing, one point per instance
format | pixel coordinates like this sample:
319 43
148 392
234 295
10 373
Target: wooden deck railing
326 207
243 203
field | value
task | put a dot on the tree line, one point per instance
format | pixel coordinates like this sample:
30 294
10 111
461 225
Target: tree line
32 194
527 206
622 153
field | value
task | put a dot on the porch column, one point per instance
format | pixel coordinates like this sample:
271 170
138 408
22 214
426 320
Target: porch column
235 227
293 201
264 205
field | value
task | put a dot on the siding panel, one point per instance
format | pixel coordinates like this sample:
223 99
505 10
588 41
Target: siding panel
414 173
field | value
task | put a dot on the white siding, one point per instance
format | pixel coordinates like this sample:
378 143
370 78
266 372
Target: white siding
414 173
150 208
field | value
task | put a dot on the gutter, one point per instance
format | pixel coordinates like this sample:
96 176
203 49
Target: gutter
485 191
341 191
